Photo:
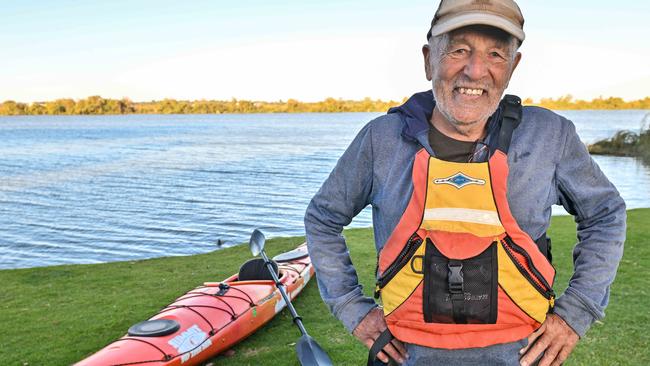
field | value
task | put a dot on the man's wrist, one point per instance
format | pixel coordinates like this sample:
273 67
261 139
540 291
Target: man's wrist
575 313
354 311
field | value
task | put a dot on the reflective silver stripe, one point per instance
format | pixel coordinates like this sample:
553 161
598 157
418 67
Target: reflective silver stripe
463 215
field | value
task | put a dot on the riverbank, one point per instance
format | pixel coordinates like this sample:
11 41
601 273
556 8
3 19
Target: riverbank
58 315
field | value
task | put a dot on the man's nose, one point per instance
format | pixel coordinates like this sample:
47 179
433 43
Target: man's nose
476 67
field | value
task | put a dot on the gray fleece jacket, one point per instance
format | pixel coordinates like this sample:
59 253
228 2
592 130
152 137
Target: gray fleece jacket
548 165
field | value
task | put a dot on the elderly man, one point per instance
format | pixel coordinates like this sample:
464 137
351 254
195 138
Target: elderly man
461 185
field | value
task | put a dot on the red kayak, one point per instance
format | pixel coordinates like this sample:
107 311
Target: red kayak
210 318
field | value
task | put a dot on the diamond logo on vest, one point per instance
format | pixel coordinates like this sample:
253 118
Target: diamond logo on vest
459 180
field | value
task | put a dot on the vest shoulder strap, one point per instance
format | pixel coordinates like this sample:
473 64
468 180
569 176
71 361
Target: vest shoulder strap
511 112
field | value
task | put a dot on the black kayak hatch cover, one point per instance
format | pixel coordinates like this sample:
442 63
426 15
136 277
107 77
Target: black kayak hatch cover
154 328
292 255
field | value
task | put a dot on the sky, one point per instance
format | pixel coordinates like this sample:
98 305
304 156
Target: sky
302 49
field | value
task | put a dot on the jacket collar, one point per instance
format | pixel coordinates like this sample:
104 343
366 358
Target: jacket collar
416 113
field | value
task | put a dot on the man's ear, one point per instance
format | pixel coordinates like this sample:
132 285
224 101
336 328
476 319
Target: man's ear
514 66
517 59
426 52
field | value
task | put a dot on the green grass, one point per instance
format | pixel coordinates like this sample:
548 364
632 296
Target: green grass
59 315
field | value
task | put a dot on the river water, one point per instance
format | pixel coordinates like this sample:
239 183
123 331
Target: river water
89 189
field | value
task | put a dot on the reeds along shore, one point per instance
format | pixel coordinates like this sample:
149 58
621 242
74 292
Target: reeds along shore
626 143
96 105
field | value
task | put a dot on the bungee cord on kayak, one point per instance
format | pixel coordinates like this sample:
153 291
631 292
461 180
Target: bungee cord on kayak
201 323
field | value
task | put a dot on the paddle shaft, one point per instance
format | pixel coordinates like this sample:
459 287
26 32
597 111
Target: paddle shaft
280 286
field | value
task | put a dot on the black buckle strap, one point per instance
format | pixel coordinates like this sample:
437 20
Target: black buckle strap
511 114
382 341
512 107
457 291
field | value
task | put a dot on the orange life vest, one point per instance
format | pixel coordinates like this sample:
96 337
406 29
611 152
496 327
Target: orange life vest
458 271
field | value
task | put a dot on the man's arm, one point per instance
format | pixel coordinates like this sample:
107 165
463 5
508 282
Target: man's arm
342 196
599 211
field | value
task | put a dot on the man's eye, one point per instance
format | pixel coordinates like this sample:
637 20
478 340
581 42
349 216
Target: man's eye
459 51
497 55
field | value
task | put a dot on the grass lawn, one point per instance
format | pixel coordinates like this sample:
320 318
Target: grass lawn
58 315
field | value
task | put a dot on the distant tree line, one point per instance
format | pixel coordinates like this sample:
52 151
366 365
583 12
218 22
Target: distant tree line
568 103
98 105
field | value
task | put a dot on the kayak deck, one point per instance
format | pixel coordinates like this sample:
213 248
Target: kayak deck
212 318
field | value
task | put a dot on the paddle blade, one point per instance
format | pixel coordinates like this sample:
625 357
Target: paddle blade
310 353
256 244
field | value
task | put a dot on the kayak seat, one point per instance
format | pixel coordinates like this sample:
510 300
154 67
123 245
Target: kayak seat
255 270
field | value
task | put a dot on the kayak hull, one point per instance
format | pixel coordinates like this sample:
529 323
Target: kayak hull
212 318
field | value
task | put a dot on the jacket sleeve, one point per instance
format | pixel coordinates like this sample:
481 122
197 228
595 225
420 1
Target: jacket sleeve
600 214
342 196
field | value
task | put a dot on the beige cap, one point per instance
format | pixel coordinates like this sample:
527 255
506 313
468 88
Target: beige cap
454 14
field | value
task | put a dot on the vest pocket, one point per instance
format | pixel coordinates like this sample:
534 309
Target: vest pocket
528 270
460 291
398 282
403 258
522 281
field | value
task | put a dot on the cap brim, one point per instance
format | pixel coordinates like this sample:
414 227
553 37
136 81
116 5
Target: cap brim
476 18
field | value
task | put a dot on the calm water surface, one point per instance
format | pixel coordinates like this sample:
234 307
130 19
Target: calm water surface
80 189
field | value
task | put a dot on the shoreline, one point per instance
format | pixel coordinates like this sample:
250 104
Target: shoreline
216 250
60 314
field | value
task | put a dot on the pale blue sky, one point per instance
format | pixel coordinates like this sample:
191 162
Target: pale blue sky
308 50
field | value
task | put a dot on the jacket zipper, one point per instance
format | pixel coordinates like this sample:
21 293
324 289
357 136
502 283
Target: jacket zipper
544 289
402 259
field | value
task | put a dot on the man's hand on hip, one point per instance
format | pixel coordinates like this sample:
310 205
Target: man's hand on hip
555 338
370 328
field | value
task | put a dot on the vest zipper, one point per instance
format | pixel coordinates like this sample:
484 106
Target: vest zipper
544 288
402 259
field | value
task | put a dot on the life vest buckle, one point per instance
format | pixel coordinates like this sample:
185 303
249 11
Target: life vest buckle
455 277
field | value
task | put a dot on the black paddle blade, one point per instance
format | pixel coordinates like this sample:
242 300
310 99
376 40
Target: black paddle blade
310 353
256 244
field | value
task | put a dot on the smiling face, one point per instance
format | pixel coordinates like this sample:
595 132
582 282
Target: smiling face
469 68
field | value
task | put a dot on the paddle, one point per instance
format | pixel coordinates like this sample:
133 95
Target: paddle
309 352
